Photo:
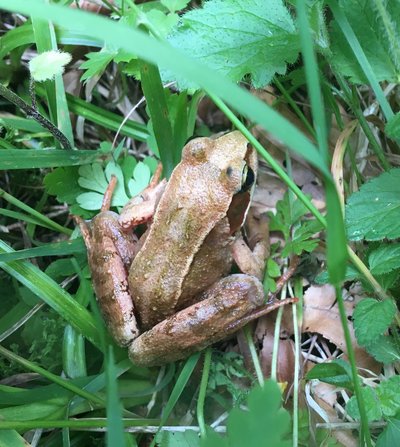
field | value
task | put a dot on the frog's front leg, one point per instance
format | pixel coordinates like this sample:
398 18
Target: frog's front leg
202 324
250 257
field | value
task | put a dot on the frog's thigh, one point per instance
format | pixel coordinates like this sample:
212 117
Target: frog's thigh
201 324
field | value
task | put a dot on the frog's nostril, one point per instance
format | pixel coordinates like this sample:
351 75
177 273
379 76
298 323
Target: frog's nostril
229 171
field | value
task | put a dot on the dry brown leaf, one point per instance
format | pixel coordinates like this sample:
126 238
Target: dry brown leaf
321 315
326 397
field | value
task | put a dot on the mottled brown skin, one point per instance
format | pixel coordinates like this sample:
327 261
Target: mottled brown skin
177 281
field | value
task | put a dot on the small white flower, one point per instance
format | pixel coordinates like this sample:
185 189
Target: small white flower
48 64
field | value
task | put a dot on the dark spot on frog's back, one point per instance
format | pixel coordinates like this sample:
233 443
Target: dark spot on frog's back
229 171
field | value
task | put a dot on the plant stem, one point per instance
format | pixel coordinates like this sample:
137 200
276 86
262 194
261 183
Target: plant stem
202 392
34 114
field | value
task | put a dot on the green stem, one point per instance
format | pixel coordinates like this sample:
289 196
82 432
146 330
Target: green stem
364 432
202 392
254 356
33 113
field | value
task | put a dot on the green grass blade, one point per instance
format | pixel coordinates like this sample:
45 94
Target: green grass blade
180 384
107 119
52 294
115 427
11 159
159 113
361 57
336 236
67 384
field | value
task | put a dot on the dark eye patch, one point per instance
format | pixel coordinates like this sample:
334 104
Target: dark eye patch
229 171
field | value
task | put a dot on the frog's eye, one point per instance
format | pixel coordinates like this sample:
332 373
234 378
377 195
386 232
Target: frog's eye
248 178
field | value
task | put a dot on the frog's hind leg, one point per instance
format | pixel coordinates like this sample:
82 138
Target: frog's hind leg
192 329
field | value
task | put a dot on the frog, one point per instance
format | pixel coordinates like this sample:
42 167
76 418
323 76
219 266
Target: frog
171 292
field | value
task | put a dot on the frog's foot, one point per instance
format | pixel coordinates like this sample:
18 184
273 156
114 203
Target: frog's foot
140 209
202 324
250 257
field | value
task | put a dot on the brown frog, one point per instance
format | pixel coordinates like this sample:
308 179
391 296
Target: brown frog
174 283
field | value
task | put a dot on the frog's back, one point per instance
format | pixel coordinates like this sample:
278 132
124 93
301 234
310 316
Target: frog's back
190 219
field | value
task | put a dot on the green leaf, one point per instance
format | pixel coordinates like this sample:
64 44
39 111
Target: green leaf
337 373
141 178
384 349
97 62
373 212
350 274
63 183
378 36
371 402
264 419
238 38
188 438
302 238
385 259
392 127
372 318
390 435
174 5
389 396
48 64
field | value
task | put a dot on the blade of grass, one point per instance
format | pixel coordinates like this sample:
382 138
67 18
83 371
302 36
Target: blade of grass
362 59
180 384
52 294
46 158
68 385
45 220
53 249
159 114
107 119
115 426
336 237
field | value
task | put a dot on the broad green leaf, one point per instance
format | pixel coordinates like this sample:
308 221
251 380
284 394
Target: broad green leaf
63 183
371 402
385 259
389 396
337 372
188 438
174 5
384 349
238 38
378 36
373 213
11 438
48 64
141 178
263 419
372 318
392 127
390 435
